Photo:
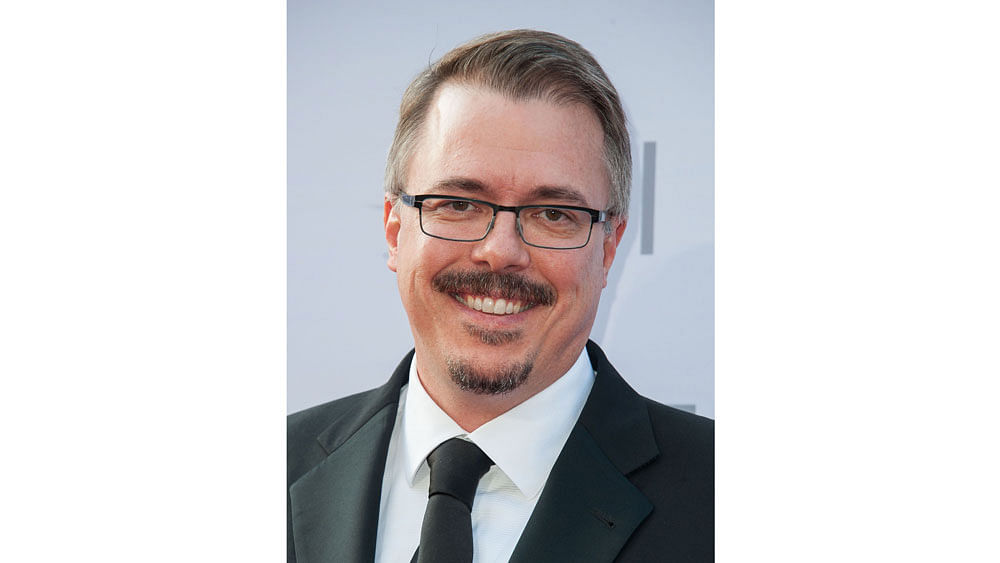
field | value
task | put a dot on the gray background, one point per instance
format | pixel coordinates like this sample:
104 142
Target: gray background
348 65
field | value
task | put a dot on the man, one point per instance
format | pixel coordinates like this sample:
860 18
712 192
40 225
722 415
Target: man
507 195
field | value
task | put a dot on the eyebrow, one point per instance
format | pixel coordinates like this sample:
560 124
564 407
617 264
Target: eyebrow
560 193
457 183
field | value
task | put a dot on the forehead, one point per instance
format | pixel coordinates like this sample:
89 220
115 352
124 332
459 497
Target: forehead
510 148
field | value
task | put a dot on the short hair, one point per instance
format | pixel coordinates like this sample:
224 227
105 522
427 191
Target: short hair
521 64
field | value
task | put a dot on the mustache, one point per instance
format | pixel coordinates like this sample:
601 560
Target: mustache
505 285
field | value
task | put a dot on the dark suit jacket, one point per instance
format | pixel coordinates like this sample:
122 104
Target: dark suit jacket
635 481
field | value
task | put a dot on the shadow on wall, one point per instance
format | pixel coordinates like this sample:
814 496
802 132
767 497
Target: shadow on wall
622 258
654 314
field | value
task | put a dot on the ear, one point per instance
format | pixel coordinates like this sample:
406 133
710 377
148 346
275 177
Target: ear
611 242
390 220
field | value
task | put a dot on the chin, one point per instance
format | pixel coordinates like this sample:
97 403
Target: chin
497 379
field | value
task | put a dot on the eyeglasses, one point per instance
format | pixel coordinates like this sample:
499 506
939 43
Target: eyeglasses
556 227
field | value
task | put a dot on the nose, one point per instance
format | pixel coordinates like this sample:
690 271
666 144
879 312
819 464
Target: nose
502 249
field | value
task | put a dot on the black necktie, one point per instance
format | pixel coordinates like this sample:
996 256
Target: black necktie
446 534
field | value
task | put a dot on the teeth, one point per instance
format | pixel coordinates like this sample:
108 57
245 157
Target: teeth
489 305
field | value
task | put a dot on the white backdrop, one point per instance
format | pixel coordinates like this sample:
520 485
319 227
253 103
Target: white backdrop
348 65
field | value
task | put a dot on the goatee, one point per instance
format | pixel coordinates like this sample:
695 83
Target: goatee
498 382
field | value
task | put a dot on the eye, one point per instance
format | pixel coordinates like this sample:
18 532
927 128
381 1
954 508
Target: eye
453 207
554 215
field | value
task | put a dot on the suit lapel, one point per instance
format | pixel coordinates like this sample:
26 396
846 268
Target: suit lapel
335 506
588 508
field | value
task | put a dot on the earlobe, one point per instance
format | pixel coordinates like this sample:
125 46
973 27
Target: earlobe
611 242
390 221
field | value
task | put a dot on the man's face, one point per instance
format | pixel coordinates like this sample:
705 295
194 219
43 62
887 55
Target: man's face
478 144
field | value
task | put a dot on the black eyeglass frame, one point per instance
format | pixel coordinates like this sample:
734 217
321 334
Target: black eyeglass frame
418 200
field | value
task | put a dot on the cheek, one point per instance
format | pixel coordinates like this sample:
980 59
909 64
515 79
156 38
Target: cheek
412 243
408 260
421 258
579 280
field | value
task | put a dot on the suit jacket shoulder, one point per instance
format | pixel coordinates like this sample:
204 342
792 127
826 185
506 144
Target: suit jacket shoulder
305 429
685 437
336 457
680 483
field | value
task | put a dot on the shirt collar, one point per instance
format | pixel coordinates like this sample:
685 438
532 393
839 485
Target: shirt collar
524 442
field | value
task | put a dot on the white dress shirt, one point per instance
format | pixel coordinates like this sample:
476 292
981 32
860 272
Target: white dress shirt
524 442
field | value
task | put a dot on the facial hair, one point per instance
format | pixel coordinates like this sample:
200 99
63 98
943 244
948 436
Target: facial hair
503 285
499 285
499 382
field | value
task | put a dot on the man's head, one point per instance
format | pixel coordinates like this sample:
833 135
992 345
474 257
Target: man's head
515 119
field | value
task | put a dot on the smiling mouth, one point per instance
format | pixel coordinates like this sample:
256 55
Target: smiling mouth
492 306
494 293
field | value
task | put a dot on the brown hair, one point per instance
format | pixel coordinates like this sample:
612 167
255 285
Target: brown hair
521 64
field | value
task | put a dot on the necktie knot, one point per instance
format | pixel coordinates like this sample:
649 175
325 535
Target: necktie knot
456 467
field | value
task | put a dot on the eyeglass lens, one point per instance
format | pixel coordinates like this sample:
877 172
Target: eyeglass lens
463 220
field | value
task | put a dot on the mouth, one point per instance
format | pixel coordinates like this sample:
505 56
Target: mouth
494 293
491 306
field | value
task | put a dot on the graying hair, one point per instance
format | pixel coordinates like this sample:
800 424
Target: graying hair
521 64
